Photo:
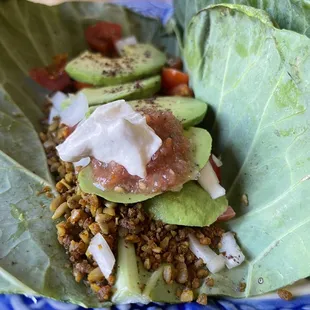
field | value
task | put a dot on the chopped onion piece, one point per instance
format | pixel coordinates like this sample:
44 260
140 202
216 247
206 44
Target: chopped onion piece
53 113
123 42
214 262
210 182
102 254
76 111
82 162
57 100
217 161
231 251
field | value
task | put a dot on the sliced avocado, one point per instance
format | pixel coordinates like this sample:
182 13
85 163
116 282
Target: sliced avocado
137 61
127 277
188 111
192 206
160 291
135 284
85 178
201 141
130 91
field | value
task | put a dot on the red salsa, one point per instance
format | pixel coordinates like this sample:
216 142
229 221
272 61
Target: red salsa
170 167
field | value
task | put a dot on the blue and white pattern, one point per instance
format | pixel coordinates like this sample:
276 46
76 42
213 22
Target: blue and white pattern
163 9
16 302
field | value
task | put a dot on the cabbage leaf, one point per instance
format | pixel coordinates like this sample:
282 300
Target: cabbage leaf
256 79
287 14
32 261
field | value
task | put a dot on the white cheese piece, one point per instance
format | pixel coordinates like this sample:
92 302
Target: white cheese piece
210 182
102 254
231 251
113 132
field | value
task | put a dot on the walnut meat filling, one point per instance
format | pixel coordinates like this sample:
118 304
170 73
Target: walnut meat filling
81 216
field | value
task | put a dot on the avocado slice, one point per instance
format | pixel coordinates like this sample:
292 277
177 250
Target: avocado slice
201 140
192 206
130 91
135 284
127 283
188 111
137 61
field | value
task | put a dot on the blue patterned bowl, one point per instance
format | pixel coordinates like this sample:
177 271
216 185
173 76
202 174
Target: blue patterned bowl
300 291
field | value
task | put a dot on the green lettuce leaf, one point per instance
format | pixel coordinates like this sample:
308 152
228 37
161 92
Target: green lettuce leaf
256 78
287 14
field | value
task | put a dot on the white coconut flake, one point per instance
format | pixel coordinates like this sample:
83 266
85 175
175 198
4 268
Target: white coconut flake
102 254
76 111
210 182
120 44
214 262
231 251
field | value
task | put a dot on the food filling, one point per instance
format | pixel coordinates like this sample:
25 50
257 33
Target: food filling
86 216
135 151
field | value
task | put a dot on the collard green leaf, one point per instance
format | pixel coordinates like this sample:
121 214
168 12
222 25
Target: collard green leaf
256 78
19 140
31 260
287 14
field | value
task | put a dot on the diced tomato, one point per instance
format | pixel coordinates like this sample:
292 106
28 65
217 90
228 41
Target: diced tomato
182 90
53 77
81 85
175 63
216 169
171 78
102 36
227 215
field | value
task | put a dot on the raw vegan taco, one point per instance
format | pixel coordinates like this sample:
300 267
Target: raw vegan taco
127 178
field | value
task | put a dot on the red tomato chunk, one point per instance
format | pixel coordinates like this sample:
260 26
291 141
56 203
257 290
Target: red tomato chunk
53 77
102 36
